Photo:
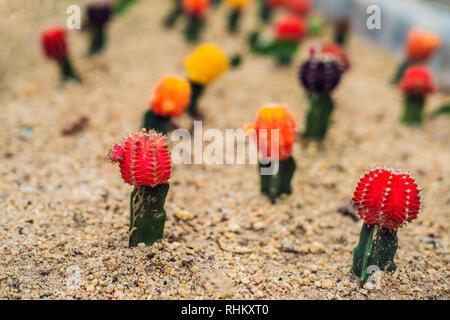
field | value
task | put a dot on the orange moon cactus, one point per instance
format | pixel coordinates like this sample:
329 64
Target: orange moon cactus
171 96
421 44
276 164
274 117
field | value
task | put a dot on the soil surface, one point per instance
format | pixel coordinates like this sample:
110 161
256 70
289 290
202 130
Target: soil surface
64 207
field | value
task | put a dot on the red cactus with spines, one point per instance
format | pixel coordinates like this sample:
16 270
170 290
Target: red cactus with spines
416 84
54 42
144 162
387 198
55 47
144 159
290 28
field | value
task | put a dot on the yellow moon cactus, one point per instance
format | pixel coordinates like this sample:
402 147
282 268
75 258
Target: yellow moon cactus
206 63
237 3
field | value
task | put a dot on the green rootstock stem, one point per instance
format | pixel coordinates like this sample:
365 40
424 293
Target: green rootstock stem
275 185
265 12
172 17
193 27
340 38
400 71
376 247
147 214
68 73
196 92
233 20
318 117
122 5
413 110
283 50
156 122
98 40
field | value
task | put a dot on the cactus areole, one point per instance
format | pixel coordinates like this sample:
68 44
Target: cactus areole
55 47
144 162
385 199
320 74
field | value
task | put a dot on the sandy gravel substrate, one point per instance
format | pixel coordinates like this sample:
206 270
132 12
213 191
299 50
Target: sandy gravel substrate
62 204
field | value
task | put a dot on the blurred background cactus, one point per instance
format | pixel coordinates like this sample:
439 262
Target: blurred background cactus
98 16
416 84
275 133
319 75
54 43
170 99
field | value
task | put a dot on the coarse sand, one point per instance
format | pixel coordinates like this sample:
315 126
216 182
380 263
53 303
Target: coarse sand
64 207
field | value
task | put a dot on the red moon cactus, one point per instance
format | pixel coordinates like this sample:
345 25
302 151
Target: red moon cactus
144 159
387 198
54 43
290 28
144 162
417 81
416 84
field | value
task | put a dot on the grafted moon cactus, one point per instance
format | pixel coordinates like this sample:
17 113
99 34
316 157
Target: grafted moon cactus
98 15
203 66
55 47
288 33
420 45
416 84
275 147
144 162
320 74
170 99
386 199
195 12
234 16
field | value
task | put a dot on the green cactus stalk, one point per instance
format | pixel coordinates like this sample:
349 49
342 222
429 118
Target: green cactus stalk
318 117
122 6
196 92
98 40
193 27
400 71
413 110
273 186
156 122
233 20
68 73
282 50
147 214
376 247
170 20
215 3
265 11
